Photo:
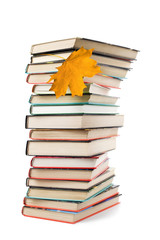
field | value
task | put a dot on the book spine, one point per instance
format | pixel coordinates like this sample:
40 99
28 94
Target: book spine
27 192
31 162
27 148
30 110
26 70
30 133
26 122
29 174
30 99
33 88
24 202
27 182
27 79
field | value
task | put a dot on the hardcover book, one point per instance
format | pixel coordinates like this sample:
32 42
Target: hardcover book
74 109
68 194
100 48
70 148
71 205
70 217
65 162
73 134
68 174
68 99
103 81
71 184
70 121
91 88
52 68
107 60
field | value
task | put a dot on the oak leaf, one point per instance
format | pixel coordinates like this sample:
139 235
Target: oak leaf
71 72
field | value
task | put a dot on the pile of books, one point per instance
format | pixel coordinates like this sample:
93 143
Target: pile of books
70 177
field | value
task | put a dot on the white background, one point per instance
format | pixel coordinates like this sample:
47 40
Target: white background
132 24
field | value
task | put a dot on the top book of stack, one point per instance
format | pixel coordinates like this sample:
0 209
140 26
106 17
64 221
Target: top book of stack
100 48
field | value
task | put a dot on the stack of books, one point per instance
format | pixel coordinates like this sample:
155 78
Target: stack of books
70 177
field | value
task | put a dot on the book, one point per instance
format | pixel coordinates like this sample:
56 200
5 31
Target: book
70 217
91 88
68 99
76 43
107 60
68 174
72 162
70 148
104 81
68 162
68 194
72 134
73 121
71 184
52 68
74 109
71 206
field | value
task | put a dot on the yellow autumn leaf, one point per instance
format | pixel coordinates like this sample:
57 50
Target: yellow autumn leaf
71 72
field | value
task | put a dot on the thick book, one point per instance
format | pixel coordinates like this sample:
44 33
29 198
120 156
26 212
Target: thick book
68 194
70 217
70 148
52 68
107 60
68 99
91 88
73 121
87 108
68 174
72 134
71 206
101 48
71 184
